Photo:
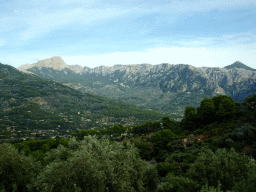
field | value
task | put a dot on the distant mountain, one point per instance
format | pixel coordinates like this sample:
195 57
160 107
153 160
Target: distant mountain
240 65
30 104
56 63
166 88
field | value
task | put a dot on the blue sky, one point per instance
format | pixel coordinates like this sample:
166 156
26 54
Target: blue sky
92 33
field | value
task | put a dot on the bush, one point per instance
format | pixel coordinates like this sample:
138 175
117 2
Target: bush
243 133
163 168
228 167
178 184
16 168
238 146
249 184
151 179
94 166
212 189
91 164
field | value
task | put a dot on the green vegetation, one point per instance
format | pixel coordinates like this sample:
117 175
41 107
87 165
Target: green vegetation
29 102
95 161
104 159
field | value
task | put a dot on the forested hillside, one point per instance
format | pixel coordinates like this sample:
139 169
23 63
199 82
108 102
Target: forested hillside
209 149
32 107
165 88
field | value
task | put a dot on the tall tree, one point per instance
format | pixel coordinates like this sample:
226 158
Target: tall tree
167 122
206 111
225 107
191 119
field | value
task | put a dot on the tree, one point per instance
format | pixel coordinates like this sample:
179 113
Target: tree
160 141
156 125
149 126
249 184
151 178
16 168
118 129
94 166
206 111
167 123
225 107
145 149
177 183
104 131
226 167
191 119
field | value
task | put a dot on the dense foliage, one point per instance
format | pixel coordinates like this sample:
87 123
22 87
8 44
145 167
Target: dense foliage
103 160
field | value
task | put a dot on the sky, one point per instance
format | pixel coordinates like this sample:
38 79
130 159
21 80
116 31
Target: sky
92 33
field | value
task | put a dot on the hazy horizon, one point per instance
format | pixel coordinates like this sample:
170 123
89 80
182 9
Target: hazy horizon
126 64
94 33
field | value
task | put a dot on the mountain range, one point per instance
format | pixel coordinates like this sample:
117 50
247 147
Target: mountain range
32 106
42 108
165 88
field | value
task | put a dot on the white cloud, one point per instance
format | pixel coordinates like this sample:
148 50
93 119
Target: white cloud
43 23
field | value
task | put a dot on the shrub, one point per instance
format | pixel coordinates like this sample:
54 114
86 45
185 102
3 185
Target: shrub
238 146
94 166
249 184
163 168
173 183
150 178
16 168
212 189
243 132
229 168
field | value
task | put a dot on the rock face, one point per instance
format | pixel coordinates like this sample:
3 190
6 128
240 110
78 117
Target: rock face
55 62
164 87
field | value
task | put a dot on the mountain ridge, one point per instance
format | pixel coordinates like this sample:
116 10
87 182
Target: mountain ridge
157 87
240 65
56 62
29 101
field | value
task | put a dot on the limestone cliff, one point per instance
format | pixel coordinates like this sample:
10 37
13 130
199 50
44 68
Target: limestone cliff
165 87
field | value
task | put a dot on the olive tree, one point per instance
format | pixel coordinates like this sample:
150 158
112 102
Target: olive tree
92 165
226 167
16 168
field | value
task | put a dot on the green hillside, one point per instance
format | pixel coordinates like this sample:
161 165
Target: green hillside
146 159
38 108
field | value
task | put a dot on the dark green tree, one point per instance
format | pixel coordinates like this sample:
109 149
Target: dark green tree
16 168
160 141
206 111
225 108
191 121
156 125
226 167
118 129
167 123
145 150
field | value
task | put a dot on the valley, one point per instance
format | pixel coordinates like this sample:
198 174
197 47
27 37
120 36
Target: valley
49 128
164 88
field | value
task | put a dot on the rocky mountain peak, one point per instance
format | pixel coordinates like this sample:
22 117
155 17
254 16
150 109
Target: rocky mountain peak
238 62
239 65
55 62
